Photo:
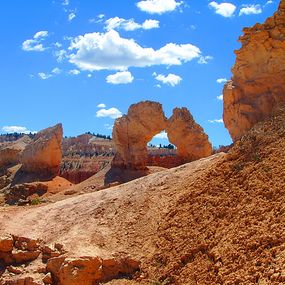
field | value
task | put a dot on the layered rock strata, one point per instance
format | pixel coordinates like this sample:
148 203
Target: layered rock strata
258 82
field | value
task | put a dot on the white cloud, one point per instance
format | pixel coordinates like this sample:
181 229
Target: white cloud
150 24
216 121
98 19
220 97
89 75
224 9
221 80
60 55
101 105
171 79
71 16
16 129
121 77
56 70
250 10
58 45
162 135
44 76
130 25
35 44
98 51
158 6
269 2
205 59
65 2
41 34
74 72
112 113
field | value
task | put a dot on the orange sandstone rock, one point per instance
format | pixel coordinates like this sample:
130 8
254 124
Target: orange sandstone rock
133 131
258 82
44 153
190 139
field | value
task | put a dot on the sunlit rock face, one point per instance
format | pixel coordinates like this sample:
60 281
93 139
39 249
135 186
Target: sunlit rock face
258 82
132 132
43 155
189 137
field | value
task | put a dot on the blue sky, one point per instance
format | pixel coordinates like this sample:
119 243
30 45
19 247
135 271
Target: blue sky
84 62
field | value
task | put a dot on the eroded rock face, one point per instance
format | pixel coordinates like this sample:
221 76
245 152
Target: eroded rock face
133 131
258 82
43 155
10 152
190 139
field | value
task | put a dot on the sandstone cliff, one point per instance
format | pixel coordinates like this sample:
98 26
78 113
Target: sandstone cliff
258 82
43 155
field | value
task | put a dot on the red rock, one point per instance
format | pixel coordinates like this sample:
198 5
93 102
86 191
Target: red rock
6 244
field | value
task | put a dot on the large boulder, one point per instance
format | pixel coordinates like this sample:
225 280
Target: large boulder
133 131
43 155
10 151
190 139
258 82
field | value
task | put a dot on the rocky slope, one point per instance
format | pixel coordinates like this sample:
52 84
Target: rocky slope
258 81
218 220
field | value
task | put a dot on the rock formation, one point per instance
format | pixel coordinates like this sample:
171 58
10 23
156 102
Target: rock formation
132 132
258 78
43 155
10 152
190 139
52 265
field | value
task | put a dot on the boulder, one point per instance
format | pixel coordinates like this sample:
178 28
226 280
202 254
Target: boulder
133 131
190 139
257 85
43 155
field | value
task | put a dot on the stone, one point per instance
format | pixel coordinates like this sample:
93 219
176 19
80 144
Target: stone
47 279
43 155
6 244
75 271
190 139
89 270
133 131
257 85
10 151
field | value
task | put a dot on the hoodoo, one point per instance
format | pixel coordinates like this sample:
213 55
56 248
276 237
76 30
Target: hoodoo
258 82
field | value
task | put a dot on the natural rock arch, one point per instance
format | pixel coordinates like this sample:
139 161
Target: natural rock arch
133 131
190 139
